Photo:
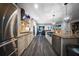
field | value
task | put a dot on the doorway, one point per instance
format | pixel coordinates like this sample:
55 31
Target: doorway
41 30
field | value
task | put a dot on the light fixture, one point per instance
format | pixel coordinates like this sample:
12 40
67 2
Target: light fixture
65 3
53 15
36 6
66 18
53 23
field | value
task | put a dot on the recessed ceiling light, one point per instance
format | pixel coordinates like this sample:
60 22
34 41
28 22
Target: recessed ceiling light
36 6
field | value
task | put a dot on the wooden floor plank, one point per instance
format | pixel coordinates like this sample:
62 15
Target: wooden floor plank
39 47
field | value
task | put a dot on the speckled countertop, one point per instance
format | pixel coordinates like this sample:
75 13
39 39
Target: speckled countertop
67 36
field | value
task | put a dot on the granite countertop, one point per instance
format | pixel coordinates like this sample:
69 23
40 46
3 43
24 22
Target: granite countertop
24 33
67 36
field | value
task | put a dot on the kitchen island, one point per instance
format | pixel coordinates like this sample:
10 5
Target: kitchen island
59 43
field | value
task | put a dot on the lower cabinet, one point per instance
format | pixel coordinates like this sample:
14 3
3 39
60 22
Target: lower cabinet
59 44
24 42
56 44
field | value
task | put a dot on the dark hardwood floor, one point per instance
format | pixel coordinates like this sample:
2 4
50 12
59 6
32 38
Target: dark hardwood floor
39 47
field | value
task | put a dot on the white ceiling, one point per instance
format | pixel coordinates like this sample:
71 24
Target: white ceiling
45 11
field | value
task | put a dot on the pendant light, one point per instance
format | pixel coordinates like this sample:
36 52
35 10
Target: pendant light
53 18
66 19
